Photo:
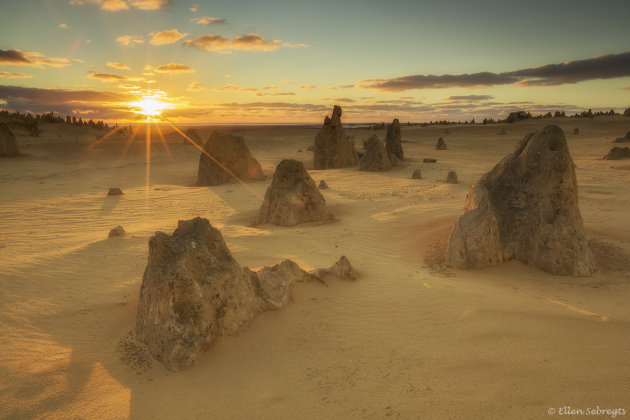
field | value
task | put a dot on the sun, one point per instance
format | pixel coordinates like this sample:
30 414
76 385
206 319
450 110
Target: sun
150 106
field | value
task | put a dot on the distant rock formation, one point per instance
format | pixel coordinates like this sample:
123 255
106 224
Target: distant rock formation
375 157
323 185
292 197
114 191
502 132
8 144
300 150
576 131
117 231
451 178
230 158
447 131
417 174
441 144
193 291
518 115
626 113
429 160
525 208
193 135
623 139
617 153
332 147
393 140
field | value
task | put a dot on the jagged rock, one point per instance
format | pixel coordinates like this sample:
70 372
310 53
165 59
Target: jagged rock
323 185
417 174
114 191
117 231
342 269
393 140
451 178
576 131
8 144
375 158
230 158
618 153
429 160
502 132
292 197
193 291
525 208
332 147
193 135
441 144
623 139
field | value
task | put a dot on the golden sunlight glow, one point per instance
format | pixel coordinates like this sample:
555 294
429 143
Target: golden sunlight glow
151 106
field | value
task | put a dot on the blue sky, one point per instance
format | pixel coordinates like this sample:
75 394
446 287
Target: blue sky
291 61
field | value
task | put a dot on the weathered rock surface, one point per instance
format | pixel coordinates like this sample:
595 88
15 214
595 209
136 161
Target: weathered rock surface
114 191
8 144
292 197
193 291
117 231
333 149
375 158
525 208
229 157
451 177
417 174
193 135
342 269
618 153
393 140
441 144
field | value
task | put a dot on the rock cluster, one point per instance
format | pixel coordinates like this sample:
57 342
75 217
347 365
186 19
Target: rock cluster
393 140
8 144
333 149
225 158
525 208
292 197
194 291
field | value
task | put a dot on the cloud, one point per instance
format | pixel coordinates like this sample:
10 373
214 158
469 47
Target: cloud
469 98
601 67
130 40
33 59
249 42
287 81
208 20
195 87
167 37
62 26
107 77
307 87
270 87
14 75
275 94
173 68
194 8
290 45
119 66
231 87
344 100
117 5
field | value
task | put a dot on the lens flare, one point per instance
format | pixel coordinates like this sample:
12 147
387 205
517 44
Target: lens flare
150 106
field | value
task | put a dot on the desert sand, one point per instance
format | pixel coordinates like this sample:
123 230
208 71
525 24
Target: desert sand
410 338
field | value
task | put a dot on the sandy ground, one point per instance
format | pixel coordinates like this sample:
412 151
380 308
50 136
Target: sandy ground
409 339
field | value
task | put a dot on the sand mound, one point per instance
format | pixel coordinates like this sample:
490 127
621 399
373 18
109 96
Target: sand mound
227 157
525 208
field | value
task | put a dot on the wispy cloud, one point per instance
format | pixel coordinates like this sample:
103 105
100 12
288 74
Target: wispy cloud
601 67
108 77
342 100
208 20
173 68
118 5
116 65
468 98
195 87
33 59
130 40
235 88
307 87
62 26
275 94
10 75
249 42
167 37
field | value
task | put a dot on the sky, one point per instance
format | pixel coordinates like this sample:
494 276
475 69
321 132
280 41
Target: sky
290 61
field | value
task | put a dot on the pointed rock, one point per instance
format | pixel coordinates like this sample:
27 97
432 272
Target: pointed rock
393 140
8 144
375 158
441 144
333 149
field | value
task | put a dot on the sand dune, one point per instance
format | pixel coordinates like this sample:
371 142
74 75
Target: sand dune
411 338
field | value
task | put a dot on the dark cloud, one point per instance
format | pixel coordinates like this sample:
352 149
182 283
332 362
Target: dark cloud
20 58
601 67
13 57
